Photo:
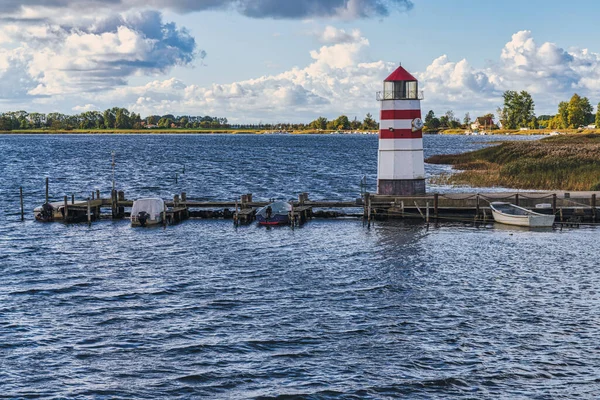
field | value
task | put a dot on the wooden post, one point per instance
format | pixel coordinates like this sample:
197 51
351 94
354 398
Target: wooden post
113 201
366 205
72 199
561 215
427 212
98 194
93 194
402 208
249 197
236 216
369 214
554 204
176 176
176 200
594 207
436 204
477 208
66 208
517 199
292 222
22 208
89 212
165 215
183 197
47 190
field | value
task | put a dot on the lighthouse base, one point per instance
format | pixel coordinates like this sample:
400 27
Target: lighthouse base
401 187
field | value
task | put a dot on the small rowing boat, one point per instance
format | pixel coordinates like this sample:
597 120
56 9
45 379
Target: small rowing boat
510 214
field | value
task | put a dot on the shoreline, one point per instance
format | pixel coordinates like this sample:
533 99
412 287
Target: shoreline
176 132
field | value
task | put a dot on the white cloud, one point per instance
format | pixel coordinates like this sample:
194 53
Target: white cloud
87 107
66 60
550 73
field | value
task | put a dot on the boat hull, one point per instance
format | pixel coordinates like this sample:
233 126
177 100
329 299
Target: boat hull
277 219
532 221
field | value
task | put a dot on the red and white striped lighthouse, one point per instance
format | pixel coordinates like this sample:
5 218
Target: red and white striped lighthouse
400 166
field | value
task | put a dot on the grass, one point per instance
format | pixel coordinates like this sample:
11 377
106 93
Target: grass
568 162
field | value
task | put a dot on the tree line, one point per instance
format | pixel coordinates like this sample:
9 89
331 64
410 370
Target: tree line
113 118
121 118
518 111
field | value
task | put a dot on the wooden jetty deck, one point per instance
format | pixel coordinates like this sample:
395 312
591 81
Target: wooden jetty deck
569 208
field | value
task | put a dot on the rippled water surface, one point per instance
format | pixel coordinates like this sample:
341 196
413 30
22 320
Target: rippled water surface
328 310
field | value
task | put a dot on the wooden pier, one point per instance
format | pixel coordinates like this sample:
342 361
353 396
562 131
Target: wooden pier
570 208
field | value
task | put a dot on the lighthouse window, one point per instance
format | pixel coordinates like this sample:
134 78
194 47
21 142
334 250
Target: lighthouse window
411 90
398 90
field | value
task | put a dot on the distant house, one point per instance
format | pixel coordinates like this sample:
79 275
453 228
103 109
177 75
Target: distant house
150 126
591 126
483 123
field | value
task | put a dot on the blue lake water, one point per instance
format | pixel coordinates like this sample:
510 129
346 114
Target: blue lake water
327 310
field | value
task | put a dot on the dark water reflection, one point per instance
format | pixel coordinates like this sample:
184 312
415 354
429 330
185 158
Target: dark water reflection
328 310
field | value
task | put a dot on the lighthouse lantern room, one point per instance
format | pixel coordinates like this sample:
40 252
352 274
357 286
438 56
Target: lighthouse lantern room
400 166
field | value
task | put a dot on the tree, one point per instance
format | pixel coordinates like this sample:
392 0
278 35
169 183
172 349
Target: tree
341 123
319 123
369 124
563 115
518 111
122 119
598 117
578 110
431 122
467 120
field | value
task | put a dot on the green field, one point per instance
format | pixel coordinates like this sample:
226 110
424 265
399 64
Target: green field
566 162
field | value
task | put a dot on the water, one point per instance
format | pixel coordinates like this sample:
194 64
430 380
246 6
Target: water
328 310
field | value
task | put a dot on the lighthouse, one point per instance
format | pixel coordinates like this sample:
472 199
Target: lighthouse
400 165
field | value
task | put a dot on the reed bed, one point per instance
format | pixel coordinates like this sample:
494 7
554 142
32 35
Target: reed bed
569 162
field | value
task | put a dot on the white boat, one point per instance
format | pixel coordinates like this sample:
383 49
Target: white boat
510 214
49 212
145 212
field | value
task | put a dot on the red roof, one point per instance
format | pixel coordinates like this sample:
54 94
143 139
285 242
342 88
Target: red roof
400 75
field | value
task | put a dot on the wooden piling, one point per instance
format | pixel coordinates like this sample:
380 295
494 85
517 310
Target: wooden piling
98 194
436 203
369 214
72 199
93 195
89 212
554 203
517 199
183 197
427 212
593 203
47 183
22 208
66 208
236 215
561 215
176 177
477 208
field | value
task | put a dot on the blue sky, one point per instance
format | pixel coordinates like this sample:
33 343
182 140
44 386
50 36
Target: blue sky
275 61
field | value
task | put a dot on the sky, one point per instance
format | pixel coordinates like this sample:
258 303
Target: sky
272 61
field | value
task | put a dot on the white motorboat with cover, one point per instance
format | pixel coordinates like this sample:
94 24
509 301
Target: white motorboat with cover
277 213
49 212
510 214
146 212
